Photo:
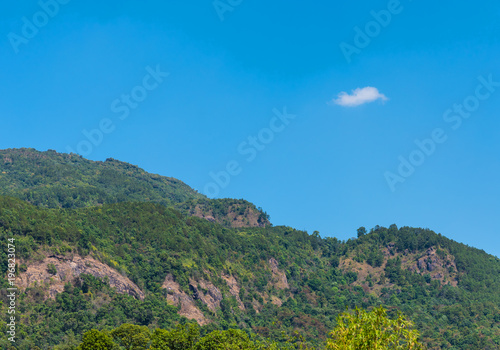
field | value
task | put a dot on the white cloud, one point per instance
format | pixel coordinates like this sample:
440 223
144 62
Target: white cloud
359 96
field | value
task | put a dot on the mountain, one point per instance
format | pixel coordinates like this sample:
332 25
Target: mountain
56 180
167 261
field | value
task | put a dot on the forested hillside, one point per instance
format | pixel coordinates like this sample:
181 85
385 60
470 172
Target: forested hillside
56 180
98 265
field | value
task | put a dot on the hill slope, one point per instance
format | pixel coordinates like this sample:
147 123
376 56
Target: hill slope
56 180
102 263
169 260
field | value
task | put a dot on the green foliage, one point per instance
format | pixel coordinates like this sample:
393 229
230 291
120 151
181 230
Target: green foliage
96 340
375 258
231 339
131 337
364 330
361 232
188 337
142 226
147 242
56 180
183 337
51 268
361 331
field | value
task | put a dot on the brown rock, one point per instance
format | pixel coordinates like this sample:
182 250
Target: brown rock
68 269
234 289
279 277
211 298
187 305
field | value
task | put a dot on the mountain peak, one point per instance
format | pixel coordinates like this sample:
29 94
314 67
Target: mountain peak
59 180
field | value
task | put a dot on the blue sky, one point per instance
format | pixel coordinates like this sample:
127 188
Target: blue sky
431 70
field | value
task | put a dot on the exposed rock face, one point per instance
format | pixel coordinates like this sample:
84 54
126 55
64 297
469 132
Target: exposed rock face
279 277
234 289
438 267
276 301
256 306
209 294
187 305
204 214
249 219
69 268
206 292
235 216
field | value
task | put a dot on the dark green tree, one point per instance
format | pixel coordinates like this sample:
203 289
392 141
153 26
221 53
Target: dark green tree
361 231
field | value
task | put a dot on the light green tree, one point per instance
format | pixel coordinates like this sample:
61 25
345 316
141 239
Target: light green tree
373 330
97 340
132 337
182 338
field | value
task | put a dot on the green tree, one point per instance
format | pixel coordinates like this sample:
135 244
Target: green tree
373 330
182 338
69 343
361 231
231 339
97 340
51 268
132 337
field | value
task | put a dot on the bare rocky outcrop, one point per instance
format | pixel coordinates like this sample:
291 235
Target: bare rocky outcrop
278 280
256 306
207 293
204 214
437 264
250 218
236 215
234 289
202 290
176 296
276 301
438 267
67 269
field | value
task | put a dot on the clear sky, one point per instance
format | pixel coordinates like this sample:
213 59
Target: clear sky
310 110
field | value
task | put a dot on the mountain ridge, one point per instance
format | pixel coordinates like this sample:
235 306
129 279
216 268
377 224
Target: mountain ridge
59 180
157 265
